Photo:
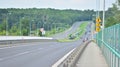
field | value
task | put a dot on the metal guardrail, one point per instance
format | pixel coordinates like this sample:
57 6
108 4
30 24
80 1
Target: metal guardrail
110 45
4 42
22 37
72 59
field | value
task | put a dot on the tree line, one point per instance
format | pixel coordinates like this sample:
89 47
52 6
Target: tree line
15 21
113 16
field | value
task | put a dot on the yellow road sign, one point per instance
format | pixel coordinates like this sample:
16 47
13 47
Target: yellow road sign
98 20
98 25
97 29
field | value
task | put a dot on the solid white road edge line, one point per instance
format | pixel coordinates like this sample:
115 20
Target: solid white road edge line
63 58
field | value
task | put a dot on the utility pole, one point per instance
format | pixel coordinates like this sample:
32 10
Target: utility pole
21 20
103 24
44 20
38 28
6 26
20 28
30 28
7 29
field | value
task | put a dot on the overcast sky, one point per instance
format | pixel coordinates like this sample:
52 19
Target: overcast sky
57 4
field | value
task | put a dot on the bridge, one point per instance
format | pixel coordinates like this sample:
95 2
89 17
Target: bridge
91 50
83 44
97 52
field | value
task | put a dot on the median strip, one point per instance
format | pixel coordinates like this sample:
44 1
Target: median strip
75 35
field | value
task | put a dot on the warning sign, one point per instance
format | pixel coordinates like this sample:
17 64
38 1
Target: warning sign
97 29
98 20
98 25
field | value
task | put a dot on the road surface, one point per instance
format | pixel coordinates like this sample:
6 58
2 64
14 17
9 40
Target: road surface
71 30
39 54
35 54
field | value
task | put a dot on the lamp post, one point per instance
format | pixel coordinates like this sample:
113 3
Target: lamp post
103 24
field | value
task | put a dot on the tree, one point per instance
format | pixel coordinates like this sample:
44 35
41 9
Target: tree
113 15
23 17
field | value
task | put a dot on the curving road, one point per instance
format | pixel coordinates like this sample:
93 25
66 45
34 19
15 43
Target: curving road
67 32
39 54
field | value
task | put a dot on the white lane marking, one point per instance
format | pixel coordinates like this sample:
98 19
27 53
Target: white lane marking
19 54
27 52
22 53
62 59
14 46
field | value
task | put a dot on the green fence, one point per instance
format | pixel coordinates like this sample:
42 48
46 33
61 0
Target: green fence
110 45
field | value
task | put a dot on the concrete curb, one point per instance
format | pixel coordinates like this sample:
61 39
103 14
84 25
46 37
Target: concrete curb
72 58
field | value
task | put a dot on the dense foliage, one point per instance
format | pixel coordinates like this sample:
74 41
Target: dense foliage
113 16
27 21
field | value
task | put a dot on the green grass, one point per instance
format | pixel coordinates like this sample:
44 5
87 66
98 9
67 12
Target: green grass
53 31
77 34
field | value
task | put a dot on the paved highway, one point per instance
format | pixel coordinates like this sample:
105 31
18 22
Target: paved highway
73 29
35 54
39 54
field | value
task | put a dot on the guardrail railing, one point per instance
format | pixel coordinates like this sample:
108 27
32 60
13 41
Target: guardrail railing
110 45
71 60
23 39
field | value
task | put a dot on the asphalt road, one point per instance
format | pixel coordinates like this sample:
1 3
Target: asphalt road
35 54
63 35
39 54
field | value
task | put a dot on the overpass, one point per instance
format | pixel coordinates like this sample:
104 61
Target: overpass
86 52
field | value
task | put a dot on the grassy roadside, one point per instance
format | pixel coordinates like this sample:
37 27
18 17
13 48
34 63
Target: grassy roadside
54 31
77 34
